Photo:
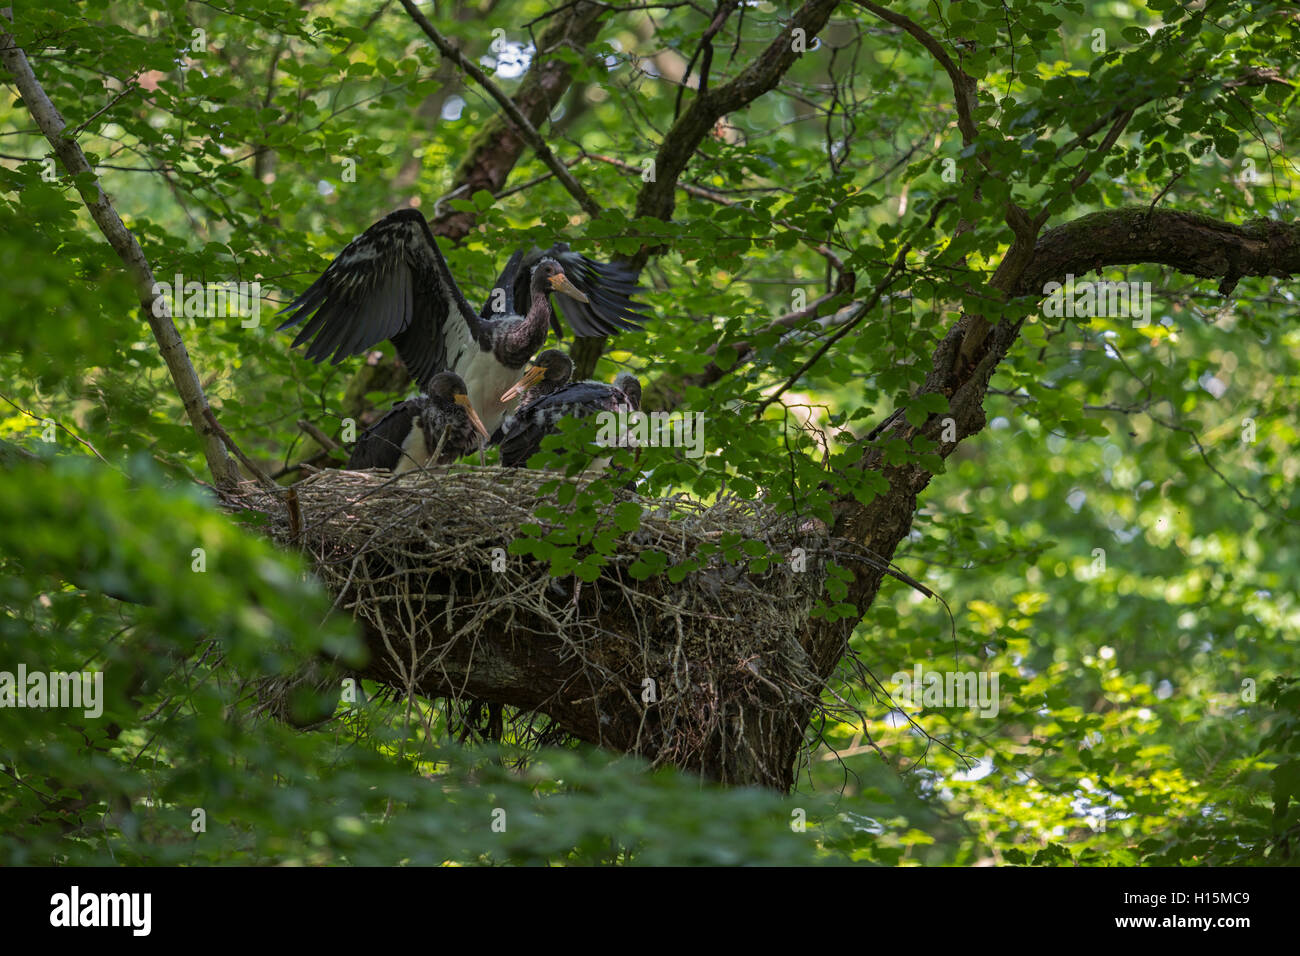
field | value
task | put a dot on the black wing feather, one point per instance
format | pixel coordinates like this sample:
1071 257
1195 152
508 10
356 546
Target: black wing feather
380 446
534 422
510 283
609 285
522 443
391 282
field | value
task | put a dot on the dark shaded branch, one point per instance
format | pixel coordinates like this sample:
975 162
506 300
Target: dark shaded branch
498 146
725 9
1190 243
963 84
523 126
1196 244
667 392
658 197
329 444
900 263
710 195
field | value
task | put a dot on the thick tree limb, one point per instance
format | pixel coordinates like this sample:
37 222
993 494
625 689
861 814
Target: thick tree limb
224 472
1194 244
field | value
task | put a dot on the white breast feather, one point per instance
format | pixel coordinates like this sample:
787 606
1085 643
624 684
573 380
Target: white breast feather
486 379
415 453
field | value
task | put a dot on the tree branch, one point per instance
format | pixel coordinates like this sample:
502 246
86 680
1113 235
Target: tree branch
963 84
710 195
900 263
224 472
658 197
1193 244
524 128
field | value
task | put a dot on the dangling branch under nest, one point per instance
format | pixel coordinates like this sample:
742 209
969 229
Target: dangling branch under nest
708 673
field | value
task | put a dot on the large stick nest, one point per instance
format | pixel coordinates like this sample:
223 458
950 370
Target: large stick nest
707 672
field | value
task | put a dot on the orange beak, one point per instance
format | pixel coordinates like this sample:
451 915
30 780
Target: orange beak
560 283
529 379
463 402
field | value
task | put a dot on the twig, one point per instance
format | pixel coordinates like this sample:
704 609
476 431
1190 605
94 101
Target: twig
229 442
1161 195
329 444
127 90
963 84
536 180
701 193
295 513
94 451
881 287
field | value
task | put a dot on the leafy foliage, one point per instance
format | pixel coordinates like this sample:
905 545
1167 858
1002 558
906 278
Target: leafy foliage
1118 546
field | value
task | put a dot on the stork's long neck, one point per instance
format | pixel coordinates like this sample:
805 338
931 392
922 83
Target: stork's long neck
514 342
522 339
538 319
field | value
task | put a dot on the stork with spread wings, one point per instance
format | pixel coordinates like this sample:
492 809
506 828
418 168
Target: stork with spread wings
392 282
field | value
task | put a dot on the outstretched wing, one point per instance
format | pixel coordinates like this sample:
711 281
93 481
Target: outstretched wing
511 287
609 285
380 446
391 282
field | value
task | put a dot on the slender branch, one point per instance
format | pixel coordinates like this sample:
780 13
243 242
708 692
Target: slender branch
229 442
665 393
126 91
93 450
1161 195
900 263
725 9
329 444
759 77
155 307
1083 174
657 197
522 126
708 194
963 84
535 181
1093 128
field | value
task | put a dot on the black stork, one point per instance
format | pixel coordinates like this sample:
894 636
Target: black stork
392 282
548 372
436 427
534 421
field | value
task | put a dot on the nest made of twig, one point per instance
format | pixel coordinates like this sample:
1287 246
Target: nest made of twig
421 559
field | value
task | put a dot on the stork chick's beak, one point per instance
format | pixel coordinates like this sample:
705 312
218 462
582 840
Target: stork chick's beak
560 283
463 401
529 379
